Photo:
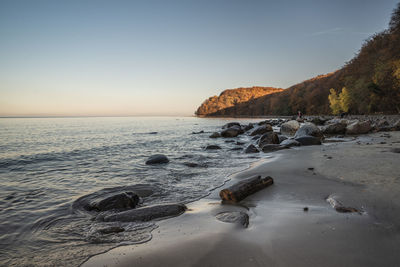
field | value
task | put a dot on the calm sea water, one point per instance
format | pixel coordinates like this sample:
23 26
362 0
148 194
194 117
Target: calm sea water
47 164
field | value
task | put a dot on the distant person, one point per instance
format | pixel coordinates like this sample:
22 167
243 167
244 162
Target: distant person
299 114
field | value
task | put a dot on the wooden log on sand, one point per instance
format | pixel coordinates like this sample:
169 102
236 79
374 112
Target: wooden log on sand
244 188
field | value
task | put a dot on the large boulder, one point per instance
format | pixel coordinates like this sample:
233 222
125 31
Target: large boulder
290 143
309 129
290 127
308 140
232 131
122 201
334 128
268 138
359 127
262 129
230 124
157 159
251 149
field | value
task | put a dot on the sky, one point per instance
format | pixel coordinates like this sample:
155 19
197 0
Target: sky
124 58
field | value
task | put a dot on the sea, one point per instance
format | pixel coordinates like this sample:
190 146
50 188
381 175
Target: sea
50 166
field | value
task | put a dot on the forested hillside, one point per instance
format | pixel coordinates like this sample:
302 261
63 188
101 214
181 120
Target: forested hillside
371 78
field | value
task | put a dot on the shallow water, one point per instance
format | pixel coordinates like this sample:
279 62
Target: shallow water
47 164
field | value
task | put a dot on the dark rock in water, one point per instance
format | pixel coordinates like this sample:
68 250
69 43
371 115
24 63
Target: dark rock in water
236 148
198 132
262 129
251 149
153 133
147 213
122 201
281 138
157 159
248 127
239 143
191 164
268 138
212 147
232 131
230 124
229 141
272 147
111 229
290 143
309 129
305 209
255 137
239 217
308 140
290 127
335 128
215 135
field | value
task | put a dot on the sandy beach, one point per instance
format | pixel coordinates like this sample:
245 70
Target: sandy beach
362 173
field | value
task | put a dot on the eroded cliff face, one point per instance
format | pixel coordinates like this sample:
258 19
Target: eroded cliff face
232 97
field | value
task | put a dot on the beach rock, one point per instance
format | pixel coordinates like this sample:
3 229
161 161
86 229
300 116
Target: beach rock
215 135
272 147
157 159
339 206
236 149
281 138
122 201
334 128
290 143
212 147
146 213
309 129
239 143
308 140
231 124
251 149
358 127
248 127
261 130
229 141
290 127
232 131
268 138
198 132
238 217
318 120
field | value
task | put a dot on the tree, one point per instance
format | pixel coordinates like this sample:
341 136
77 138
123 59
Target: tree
334 102
345 100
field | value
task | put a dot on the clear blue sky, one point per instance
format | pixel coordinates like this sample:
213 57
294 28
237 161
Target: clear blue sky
166 57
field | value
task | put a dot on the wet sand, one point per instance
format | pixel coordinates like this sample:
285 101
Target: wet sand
363 173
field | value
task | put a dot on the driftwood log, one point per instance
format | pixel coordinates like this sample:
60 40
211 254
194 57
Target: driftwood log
244 188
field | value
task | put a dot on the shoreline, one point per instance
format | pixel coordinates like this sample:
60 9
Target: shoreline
280 232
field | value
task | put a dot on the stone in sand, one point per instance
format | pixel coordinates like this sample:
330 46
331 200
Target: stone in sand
239 217
290 127
272 147
147 213
290 143
308 140
358 127
157 159
309 129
